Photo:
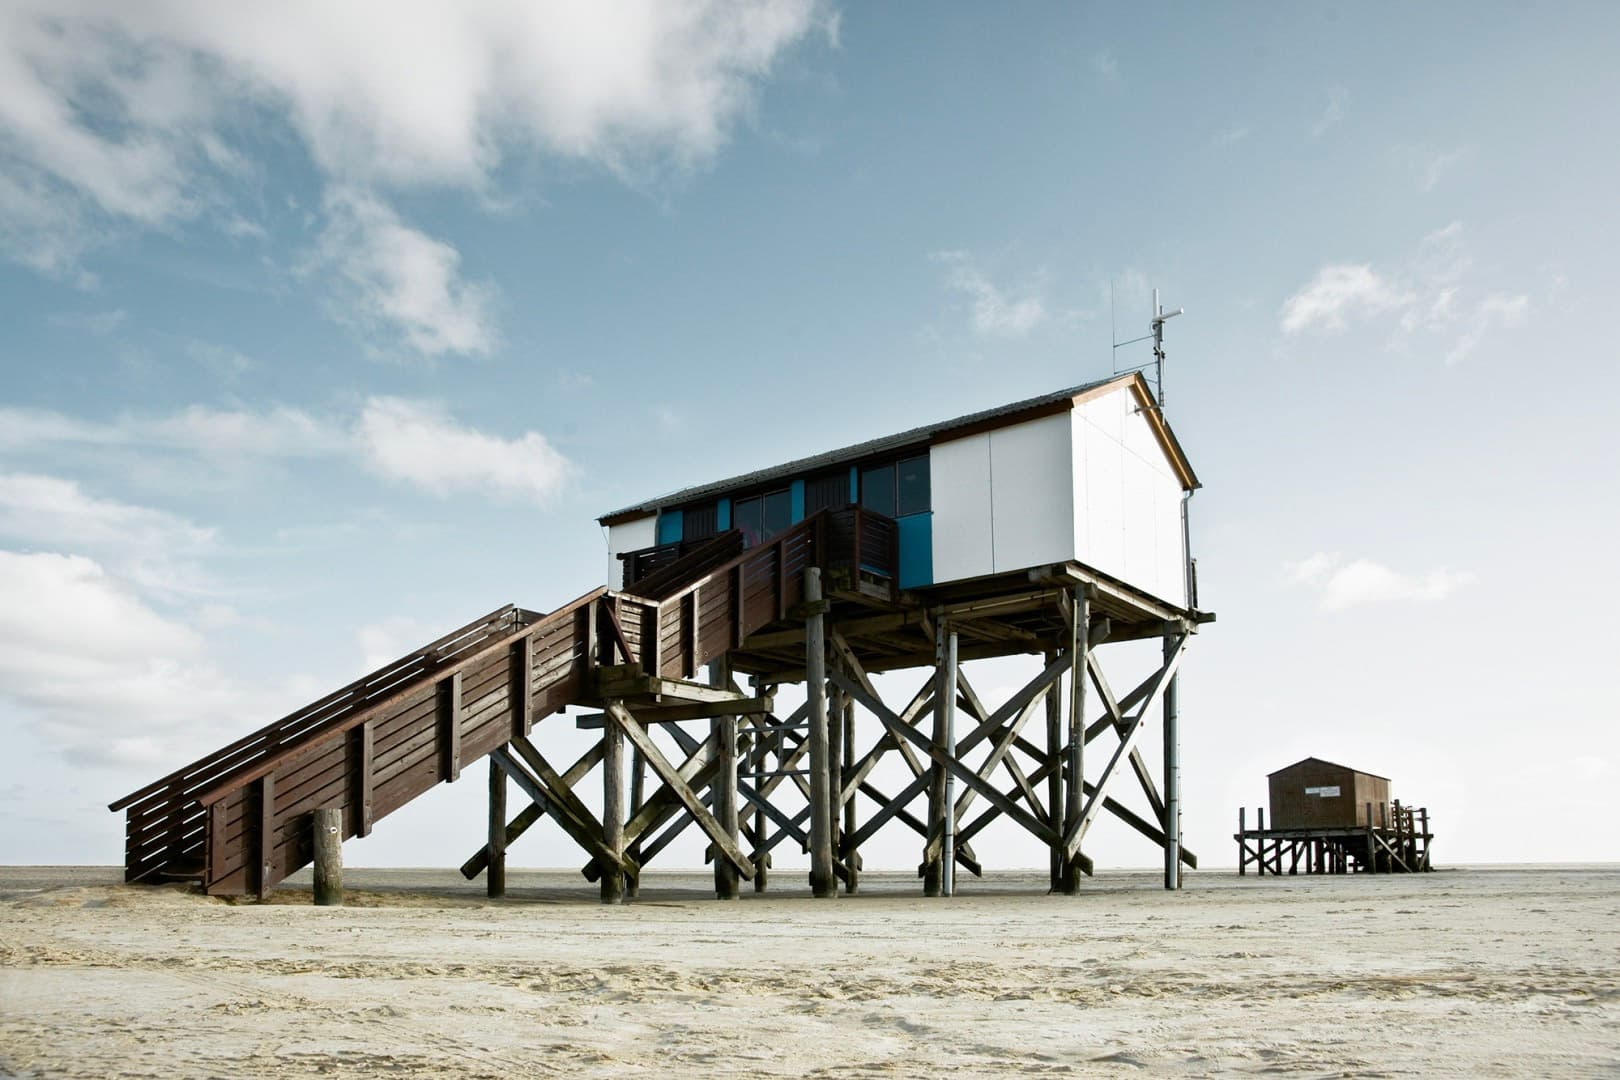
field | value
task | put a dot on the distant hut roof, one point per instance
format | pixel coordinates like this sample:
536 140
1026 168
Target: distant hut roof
1029 408
1324 761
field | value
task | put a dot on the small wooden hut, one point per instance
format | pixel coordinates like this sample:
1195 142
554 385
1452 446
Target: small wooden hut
1334 820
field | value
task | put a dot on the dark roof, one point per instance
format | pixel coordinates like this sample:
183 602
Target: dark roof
917 436
1324 761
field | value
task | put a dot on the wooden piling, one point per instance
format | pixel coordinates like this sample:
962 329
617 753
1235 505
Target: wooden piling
612 805
822 881
327 823
1243 850
761 756
495 872
1172 774
933 869
638 788
947 861
724 730
1054 776
852 858
1074 750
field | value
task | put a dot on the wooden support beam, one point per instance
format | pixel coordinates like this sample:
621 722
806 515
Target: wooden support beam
679 714
616 682
1144 777
495 862
533 812
822 882
559 812
966 775
724 787
326 828
263 807
613 736
362 791
519 695
851 821
666 772
632 848
1077 828
1054 777
1078 609
449 706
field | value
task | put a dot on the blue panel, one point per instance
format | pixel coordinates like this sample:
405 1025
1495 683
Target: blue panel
669 527
797 495
854 486
722 515
916 550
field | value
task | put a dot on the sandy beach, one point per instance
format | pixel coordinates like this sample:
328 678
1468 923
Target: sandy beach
1476 972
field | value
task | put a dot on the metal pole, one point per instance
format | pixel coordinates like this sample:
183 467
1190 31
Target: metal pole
822 881
947 868
1172 778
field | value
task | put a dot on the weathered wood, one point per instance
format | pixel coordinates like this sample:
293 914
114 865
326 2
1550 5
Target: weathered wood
1173 645
450 711
326 828
724 729
533 812
1079 610
638 793
264 834
495 881
671 778
946 742
1054 778
361 741
852 857
822 882
613 804
520 701
1076 829
679 714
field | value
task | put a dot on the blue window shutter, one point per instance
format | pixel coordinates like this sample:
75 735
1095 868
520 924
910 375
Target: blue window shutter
669 527
797 495
722 515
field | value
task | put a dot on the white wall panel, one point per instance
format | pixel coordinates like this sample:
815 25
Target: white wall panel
1032 490
959 479
1128 499
629 536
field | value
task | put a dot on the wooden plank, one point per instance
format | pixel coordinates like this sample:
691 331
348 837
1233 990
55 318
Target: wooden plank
668 774
518 695
264 834
612 827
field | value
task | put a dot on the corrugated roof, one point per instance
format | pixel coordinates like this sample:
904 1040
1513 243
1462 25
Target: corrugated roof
917 436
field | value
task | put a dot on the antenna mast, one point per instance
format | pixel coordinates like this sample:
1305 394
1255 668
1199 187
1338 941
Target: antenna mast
1156 326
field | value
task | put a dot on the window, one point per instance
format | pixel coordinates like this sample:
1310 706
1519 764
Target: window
877 490
897 489
763 515
912 486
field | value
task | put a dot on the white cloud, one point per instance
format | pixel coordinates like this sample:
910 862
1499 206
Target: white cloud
387 640
1346 583
110 680
115 114
1338 292
1104 66
1338 98
199 429
1430 166
996 312
402 439
1233 135
419 444
401 280
1429 295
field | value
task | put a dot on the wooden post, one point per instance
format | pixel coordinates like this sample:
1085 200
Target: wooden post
822 881
1074 750
947 860
835 752
1054 775
1260 826
724 786
1172 775
638 787
612 805
264 806
1424 858
1243 851
495 872
327 823
761 753
852 858
944 693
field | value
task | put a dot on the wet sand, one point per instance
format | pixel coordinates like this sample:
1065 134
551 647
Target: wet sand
1472 972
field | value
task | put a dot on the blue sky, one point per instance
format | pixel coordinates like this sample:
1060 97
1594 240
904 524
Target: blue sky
329 331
